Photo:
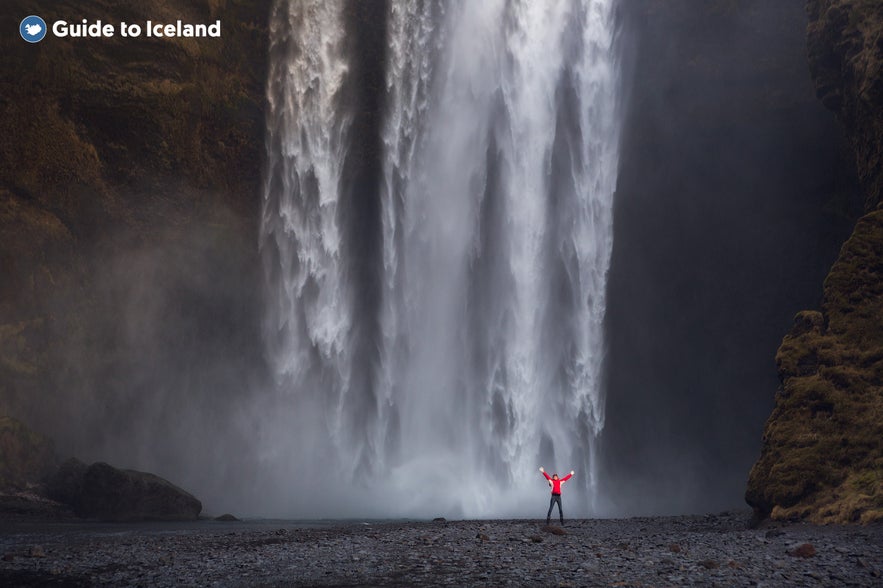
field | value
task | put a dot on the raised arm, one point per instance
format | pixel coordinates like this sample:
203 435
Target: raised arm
544 473
567 477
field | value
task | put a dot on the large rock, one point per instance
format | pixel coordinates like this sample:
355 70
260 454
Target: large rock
26 457
65 484
104 492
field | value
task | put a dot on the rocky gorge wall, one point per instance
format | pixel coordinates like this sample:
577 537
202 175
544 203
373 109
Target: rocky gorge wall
822 454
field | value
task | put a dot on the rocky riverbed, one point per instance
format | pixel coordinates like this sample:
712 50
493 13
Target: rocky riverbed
718 550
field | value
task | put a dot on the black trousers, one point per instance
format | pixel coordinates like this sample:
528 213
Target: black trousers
556 498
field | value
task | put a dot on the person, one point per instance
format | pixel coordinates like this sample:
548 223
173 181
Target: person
555 482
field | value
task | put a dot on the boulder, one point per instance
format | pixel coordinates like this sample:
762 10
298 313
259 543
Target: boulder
104 492
66 484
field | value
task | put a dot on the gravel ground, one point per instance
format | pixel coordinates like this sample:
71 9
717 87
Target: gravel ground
717 550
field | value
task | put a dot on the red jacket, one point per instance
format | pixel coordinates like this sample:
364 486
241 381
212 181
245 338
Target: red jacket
556 484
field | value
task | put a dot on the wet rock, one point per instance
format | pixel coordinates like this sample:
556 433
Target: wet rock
805 550
349 554
36 551
66 484
104 492
554 530
226 518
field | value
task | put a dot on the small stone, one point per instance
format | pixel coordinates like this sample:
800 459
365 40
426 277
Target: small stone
8 556
554 530
709 564
674 548
804 550
536 539
439 520
36 551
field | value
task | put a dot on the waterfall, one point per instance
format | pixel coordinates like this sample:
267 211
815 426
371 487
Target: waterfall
481 357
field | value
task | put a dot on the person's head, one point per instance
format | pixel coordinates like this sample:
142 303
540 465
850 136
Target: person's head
554 476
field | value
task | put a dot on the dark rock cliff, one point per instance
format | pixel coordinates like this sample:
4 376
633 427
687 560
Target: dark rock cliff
822 454
129 204
845 49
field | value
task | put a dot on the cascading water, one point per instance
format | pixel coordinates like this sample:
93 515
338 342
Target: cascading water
499 143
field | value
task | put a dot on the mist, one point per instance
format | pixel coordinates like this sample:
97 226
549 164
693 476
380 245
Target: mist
157 358
735 193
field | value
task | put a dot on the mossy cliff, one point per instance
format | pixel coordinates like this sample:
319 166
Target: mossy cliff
129 193
822 454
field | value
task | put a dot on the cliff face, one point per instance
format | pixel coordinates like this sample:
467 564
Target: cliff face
845 50
822 454
129 202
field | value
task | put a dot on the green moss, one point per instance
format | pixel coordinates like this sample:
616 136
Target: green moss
821 456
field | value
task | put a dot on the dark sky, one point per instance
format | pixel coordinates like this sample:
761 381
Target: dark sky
734 196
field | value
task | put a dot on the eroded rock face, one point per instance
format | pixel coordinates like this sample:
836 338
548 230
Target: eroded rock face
845 50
